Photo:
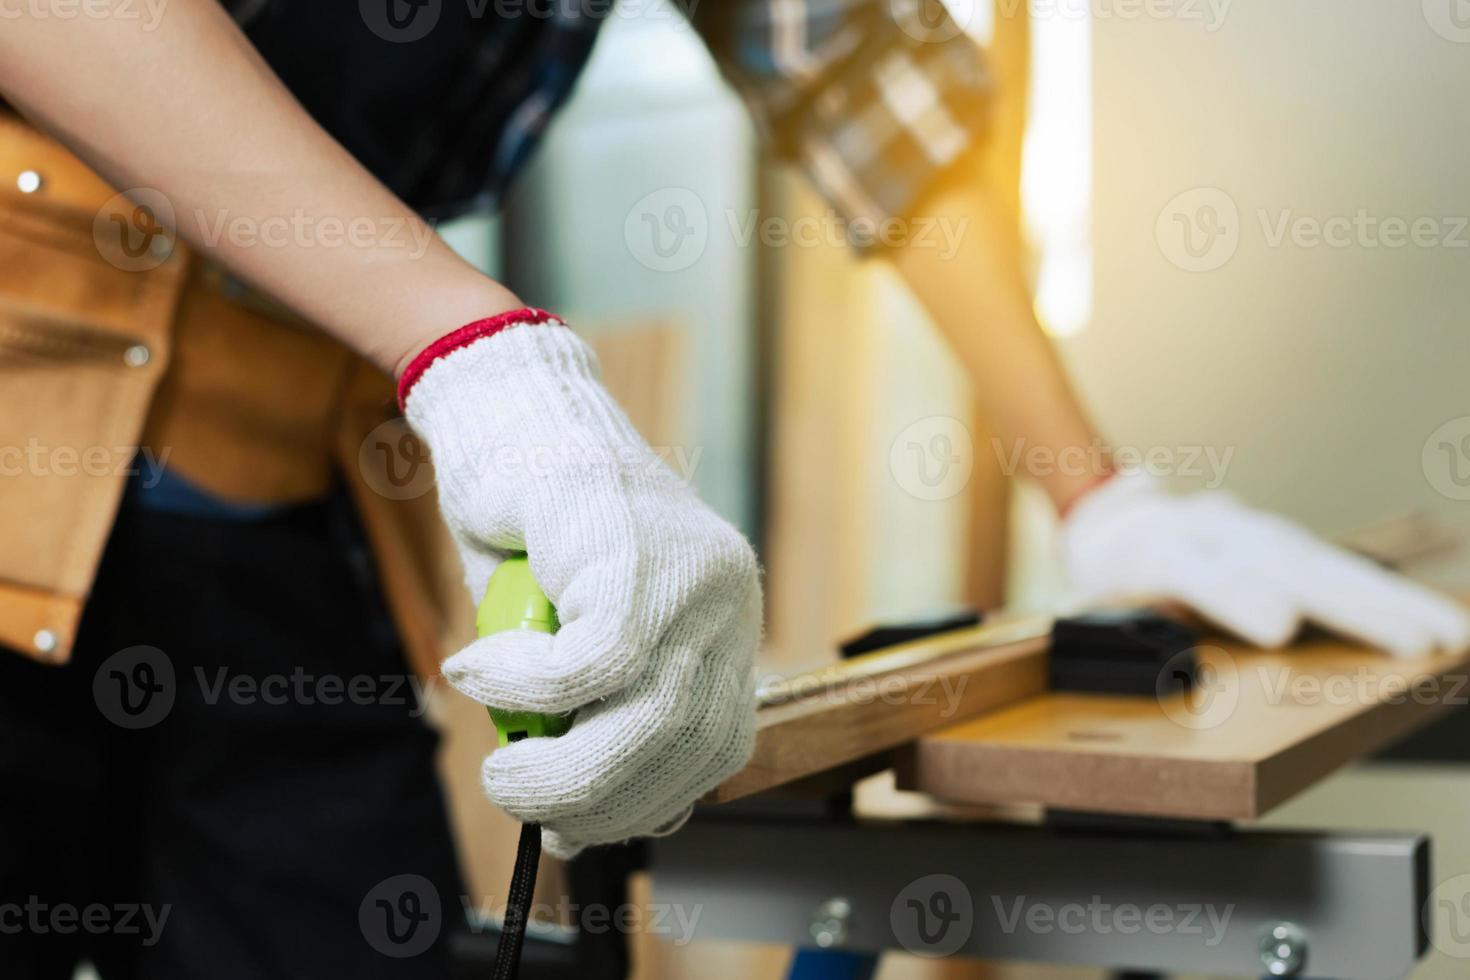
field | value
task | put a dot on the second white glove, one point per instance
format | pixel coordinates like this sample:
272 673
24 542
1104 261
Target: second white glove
1253 573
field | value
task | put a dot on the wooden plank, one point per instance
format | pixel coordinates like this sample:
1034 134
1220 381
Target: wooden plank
817 498
855 709
1262 727
812 723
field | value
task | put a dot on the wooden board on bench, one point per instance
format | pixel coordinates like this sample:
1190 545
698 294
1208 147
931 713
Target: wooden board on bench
1261 727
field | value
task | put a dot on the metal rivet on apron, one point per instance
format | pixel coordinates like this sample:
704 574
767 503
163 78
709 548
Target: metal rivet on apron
45 641
137 355
29 182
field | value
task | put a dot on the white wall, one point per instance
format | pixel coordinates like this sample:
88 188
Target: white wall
1325 369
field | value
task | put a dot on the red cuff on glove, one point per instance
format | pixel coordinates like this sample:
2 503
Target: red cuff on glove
463 337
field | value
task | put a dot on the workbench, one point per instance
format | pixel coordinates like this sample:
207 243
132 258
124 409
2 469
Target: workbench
1071 828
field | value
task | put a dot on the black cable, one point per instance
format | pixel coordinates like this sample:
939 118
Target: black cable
518 904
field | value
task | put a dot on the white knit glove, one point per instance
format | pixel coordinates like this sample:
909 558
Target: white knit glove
1255 574
658 597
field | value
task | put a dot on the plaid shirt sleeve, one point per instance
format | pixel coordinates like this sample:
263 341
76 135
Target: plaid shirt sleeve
875 99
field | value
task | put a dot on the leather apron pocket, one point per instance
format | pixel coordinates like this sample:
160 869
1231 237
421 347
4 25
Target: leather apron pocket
89 285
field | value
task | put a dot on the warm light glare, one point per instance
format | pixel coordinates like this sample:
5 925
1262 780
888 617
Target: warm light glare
1056 168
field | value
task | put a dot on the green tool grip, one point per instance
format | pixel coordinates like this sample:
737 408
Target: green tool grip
513 601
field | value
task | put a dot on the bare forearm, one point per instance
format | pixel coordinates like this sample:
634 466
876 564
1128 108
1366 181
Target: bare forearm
978 298
186 108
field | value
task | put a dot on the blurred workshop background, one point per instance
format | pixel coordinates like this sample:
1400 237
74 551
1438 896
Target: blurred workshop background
1167 174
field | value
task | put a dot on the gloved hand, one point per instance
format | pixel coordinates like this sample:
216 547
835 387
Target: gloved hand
1255 574
658 597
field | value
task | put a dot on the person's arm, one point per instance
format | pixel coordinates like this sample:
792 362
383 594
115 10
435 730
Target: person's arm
658 597
977 296
190 110
1123 537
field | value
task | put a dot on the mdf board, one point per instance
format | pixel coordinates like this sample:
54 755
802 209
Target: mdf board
1259 728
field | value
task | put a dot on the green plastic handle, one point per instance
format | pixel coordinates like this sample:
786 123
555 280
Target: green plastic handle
513 601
